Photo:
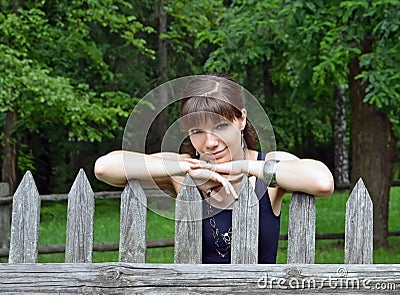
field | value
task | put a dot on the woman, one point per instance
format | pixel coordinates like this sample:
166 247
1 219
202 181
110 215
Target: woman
221 148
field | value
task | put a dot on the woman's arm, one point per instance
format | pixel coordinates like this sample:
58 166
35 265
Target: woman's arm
301 175
162 169
118 166
292 174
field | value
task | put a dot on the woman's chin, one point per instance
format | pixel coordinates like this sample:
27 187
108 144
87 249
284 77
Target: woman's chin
223 160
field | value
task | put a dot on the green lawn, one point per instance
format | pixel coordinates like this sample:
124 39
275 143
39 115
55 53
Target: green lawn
330 219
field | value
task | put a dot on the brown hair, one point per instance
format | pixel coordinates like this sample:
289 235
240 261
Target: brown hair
207 98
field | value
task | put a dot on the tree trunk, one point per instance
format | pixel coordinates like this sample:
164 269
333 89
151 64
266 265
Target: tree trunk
162 41
341 159
159 126
9 165
268 85
373 151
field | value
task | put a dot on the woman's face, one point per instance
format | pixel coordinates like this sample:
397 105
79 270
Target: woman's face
220 141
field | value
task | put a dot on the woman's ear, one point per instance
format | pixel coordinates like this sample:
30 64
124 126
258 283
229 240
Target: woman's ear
243 119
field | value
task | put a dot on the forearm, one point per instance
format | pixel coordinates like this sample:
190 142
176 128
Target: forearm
117 167
304 175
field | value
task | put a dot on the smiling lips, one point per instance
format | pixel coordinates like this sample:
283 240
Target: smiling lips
212 157
218 154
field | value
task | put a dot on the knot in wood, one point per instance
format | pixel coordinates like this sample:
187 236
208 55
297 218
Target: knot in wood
293 272
111 274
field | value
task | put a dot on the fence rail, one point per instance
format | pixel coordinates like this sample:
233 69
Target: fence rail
131 274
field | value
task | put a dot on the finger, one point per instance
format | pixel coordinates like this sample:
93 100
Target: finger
222 180
203 165
234 194
234 178
195 166
190 160
227 169
227 186
229 189
232 190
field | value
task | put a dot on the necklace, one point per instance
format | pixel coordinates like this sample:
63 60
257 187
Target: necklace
226 237
216 235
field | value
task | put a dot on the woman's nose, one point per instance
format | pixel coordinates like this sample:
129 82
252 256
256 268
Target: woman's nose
211 140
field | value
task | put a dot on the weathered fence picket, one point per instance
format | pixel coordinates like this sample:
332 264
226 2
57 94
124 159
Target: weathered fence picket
25 222
245 220
359 240
301 229
132 275
188 228
79 242
133 218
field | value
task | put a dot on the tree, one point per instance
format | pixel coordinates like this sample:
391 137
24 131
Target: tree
341 157
264 65
307 48
359 48
53 74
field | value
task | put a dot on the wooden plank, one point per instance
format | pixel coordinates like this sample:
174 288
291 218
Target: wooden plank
25 222
359 226
79 241
150 193
97 247
133 218
301 230
188 224
124 278
5 217
245 220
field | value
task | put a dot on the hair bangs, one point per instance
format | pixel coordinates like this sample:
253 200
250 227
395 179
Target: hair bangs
201 109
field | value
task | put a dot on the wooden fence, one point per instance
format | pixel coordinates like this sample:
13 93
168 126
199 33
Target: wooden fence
132 275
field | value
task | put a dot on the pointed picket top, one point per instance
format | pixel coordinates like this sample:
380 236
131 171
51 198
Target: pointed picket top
188 198
359 226
245 220
81 185
188 224
25 222
79 241
133 219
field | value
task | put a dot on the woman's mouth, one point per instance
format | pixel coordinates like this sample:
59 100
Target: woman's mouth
219 153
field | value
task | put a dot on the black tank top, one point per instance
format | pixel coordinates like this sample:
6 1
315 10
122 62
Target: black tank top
268 232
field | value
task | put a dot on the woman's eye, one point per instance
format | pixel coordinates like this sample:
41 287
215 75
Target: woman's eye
195 131
222 126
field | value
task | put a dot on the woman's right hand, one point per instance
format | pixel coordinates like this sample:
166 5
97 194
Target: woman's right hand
206 179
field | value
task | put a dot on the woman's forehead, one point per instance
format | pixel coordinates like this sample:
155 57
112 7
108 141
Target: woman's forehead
212 123
203 118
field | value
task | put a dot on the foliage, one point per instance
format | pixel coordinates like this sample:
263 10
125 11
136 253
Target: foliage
249 25
260 30
53 72
187 21
73 70
340 30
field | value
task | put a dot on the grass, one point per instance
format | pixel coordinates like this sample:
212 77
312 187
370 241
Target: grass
330 219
